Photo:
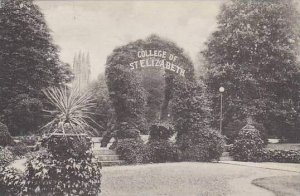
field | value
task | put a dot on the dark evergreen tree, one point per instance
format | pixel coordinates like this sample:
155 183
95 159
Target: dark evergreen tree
29 62
253 54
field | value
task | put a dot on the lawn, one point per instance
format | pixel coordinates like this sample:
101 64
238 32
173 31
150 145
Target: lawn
287 146
280 185
181 179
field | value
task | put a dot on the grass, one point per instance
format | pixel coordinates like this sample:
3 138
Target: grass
280 185
178 179
288 146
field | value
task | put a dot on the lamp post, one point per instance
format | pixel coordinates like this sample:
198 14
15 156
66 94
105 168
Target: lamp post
221 90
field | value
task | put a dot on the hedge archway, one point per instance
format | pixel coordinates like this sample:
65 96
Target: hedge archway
123 76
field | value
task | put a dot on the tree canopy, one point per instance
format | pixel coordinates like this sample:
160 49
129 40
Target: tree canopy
29 62
253 54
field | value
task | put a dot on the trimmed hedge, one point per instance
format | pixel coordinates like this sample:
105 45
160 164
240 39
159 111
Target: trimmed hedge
202 145
281 156
132 151
161 151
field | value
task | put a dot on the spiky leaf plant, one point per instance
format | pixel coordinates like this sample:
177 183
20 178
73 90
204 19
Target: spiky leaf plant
71 111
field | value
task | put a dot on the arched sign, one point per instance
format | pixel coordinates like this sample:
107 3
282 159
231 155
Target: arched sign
157 58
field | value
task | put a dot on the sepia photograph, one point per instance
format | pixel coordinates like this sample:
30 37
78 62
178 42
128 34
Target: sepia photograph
149 98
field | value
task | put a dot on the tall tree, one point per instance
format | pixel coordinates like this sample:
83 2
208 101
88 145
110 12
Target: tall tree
29 62
253 54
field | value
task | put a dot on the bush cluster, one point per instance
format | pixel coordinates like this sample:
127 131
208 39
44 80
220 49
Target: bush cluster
161 151
159 148
132 151
161 131
281 156
47 175
72 172
67 147
6 156
11 181
202 145
248 146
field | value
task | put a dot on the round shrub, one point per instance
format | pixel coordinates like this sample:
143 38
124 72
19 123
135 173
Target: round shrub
6 156
161 151
248 146
45 175
5 137
68 146
11 181
202 145
232 129
132 151
161 131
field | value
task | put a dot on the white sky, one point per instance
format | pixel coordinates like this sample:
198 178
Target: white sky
98 27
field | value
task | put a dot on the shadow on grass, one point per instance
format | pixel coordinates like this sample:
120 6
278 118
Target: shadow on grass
280 185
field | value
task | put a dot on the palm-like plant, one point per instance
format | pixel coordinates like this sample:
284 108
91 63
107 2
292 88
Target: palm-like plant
71 111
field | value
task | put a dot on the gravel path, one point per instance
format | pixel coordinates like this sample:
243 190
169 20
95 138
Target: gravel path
181 179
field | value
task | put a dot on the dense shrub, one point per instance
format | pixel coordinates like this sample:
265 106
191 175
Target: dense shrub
248 146
203 145
19 149
281 156
161 151
6 156
47 175
132 151
5 137
11 181
232 129
127 133
67 146
161 131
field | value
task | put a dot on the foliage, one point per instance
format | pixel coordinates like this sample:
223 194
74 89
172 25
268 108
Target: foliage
71 111
19 149
124 84
201 145
248 146
253 54
11 181
153 82
29 62
281 156
64 147
6 156
233 128
161 131
132 151
128 133
103 113
161 151
48 175
5 138
195 139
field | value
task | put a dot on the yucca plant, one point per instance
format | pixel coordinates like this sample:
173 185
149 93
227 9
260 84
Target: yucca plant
71 113
69 125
